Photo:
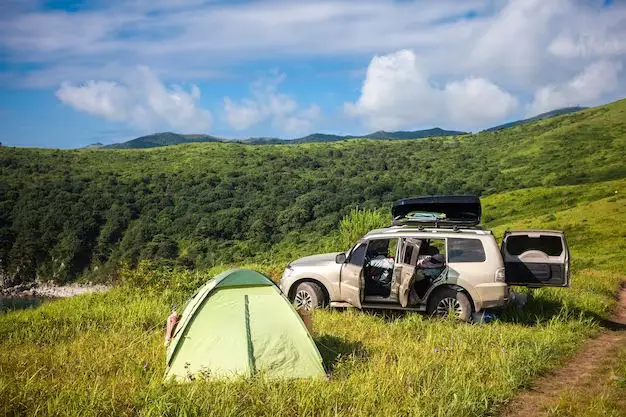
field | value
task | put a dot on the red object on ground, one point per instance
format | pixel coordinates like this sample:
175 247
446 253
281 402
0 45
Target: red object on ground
172 321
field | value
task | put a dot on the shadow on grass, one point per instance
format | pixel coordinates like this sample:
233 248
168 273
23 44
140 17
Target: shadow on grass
333 348
537 311
388 315
541 310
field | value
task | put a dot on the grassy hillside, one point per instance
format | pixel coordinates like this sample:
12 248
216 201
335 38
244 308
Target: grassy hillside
417 134
381 135
67 213
103 354
546 115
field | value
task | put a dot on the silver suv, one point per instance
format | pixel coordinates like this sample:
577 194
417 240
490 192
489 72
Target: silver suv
434 258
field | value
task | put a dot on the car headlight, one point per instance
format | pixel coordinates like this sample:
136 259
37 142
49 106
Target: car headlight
287 272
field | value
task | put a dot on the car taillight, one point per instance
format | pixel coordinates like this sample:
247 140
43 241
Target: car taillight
500 275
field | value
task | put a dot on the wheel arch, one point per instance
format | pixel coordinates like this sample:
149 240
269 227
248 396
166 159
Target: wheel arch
455 287
294 286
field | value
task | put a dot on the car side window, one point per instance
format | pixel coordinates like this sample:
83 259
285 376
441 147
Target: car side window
357 256
408 253
466 250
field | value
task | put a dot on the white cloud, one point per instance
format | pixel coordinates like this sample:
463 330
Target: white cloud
268 103
44 77
518 46
513 40
301 122
476 101
591 84
589 45
243 115
141 101
592 35
511 37
190 34
398 93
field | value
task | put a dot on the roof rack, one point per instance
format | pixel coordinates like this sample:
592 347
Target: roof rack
437 223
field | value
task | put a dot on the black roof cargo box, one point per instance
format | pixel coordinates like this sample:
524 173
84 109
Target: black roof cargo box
457 209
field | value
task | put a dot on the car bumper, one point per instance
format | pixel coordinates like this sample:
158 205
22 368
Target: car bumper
491 295
285 282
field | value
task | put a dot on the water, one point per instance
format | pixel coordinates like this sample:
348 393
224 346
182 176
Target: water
19 303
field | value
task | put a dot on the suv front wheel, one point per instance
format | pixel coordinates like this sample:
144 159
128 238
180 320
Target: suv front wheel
450 301
308 296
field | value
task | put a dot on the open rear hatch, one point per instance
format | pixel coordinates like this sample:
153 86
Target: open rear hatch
461 210
536 258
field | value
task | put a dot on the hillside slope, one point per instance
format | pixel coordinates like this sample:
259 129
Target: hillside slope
380 135
63 213
542 116
417 134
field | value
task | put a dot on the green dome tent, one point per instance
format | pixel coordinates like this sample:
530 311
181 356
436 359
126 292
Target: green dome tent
240 324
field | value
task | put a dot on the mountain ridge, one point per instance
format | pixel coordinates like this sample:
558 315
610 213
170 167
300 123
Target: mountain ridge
546 115
170 138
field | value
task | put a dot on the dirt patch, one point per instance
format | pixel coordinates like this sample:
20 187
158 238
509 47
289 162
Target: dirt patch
585 368
620 311
51 290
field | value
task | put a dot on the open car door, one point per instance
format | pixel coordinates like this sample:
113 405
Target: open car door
536 258
352 283
409 250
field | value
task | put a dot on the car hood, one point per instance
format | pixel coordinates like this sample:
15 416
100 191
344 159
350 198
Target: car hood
316 260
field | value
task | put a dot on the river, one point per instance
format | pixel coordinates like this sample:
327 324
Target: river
19 303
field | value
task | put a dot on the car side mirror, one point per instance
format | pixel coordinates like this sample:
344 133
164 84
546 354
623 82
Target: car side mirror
341 258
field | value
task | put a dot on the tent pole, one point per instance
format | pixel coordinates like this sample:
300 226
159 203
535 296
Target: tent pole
251 364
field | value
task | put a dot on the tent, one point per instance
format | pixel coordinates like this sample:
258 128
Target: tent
241 324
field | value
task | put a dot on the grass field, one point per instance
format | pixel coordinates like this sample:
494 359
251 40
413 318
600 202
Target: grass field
103 354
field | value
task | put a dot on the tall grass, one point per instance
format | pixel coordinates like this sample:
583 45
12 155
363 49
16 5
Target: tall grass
103 354
358 223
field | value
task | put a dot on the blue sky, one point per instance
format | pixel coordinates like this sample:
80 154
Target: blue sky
78 72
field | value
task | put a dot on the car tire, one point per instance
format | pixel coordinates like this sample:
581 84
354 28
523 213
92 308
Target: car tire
447 299
308 296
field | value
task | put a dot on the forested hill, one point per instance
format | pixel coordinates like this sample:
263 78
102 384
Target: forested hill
162 139
64 213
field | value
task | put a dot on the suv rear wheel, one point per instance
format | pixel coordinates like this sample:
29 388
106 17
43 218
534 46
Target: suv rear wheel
450 301
308 296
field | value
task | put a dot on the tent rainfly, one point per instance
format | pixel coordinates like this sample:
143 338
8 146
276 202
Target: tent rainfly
241 324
